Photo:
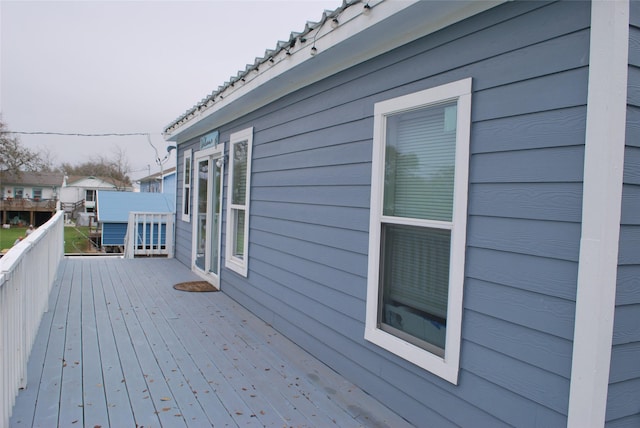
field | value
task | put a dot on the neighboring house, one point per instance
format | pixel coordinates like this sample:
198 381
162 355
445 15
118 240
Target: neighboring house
79 192
30 197
113 210
440 201
160 182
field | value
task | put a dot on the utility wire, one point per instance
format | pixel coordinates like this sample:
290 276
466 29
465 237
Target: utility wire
76 134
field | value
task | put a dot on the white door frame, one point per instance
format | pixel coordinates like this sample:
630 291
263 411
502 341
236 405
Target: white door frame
212 154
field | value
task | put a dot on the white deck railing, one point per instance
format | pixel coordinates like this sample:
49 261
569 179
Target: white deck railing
149 234
27 272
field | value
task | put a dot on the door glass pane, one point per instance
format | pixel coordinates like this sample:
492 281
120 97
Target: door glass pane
419 163
215 218
202 205
415 281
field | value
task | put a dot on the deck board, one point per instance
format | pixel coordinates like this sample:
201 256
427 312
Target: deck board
121 347
93 382
118 406
48 392
135 382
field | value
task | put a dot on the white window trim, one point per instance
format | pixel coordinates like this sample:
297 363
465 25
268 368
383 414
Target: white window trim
240 266
188 156
446 367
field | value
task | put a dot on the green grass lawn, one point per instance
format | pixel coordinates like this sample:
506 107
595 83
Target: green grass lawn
9 236
75 238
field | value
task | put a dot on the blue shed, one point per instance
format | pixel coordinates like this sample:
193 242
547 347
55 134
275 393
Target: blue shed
114 208
438 199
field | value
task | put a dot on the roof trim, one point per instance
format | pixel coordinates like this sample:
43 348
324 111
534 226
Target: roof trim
383 24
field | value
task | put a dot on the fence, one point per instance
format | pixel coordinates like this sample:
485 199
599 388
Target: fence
149 234
27 272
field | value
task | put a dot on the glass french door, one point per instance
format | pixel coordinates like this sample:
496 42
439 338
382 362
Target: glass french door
207 215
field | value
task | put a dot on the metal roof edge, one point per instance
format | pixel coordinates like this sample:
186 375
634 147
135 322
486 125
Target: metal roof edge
320 51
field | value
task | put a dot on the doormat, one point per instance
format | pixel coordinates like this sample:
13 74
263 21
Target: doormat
198 286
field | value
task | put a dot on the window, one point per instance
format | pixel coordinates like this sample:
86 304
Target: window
37 193
418 226
186 187
90 195
237 239
18 192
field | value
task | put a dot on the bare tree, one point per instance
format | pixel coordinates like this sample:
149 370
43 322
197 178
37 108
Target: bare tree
14 158
114 168
48 159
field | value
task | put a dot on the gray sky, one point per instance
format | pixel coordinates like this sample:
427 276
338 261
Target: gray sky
97 67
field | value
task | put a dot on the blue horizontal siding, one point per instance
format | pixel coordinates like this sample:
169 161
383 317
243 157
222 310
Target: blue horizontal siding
633 89
533 347
628 290
632 165
523 236
624 359
512 374
346 282
309 223
633 127
340 196
552 128
629 248
563 164
537 311
634 45
113 233
345 175
630 204
534 201
623 401
626 325
331 237
340 217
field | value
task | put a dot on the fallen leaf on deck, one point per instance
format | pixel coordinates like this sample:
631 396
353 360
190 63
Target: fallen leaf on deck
165 399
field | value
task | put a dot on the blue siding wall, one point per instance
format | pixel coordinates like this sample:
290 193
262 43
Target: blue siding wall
113 233
623 406
309 215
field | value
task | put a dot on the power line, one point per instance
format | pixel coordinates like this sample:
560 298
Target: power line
112 134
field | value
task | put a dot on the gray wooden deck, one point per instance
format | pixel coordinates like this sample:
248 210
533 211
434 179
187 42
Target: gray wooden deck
120 347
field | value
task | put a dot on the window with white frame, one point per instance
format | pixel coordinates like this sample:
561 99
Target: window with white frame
237 236
186 186
418 226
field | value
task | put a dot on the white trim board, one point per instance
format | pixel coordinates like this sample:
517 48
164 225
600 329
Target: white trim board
601 209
